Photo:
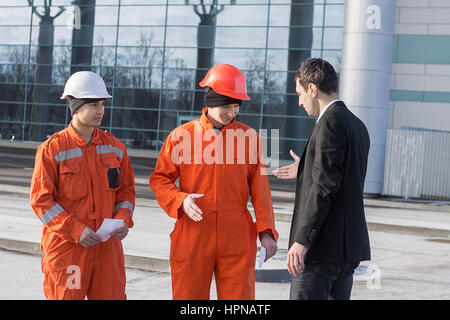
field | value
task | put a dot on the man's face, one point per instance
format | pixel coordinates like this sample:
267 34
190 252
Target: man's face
91 114
224 114
306 99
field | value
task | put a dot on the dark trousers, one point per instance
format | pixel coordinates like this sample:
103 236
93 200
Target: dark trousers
322 281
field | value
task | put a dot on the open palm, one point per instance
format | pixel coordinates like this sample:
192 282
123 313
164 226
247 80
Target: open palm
289 171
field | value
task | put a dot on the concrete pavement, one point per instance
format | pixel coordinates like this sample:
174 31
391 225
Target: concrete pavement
147 244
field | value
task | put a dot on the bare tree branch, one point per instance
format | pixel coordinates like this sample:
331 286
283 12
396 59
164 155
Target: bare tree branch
220 9
196 11
34 9
61 10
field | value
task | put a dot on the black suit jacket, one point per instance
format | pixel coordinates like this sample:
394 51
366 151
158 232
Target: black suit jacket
328 215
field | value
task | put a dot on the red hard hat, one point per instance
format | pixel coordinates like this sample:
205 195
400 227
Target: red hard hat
226 80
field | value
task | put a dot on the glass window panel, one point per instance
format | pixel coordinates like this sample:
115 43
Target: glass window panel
183 100
282 1
279 15
334 15
334 58
186 57
238 2
145 57
61 66
62 54
181 36
169 119
179 79
138 119
250 120
14 35
278 59
278 38
107 73
41 113
54 93
136 97
148 36
12 16
254 79
275 103
318 15
143 2
40 132
243 15
136 139
333 38
240 37
107 2
138 77
275 83
334 1
317 38
10 131
182 15
14 54
105 35
142 15
304 19
106 15
11 110
62 35
103 56
66 2
7 3
236 57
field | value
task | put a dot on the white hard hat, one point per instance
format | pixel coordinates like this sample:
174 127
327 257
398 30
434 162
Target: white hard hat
85 85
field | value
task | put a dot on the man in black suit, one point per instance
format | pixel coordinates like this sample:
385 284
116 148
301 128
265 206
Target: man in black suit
328 237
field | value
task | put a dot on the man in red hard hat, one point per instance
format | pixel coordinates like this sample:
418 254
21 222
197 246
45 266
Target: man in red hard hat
81 176
217 170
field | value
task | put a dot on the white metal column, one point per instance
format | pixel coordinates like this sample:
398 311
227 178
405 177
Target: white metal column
365 79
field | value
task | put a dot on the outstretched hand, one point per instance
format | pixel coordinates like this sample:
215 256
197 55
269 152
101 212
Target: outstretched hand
190 208
289 171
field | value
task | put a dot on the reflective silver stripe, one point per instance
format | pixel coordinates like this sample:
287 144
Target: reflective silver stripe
68 154
107 148
124 204
51 213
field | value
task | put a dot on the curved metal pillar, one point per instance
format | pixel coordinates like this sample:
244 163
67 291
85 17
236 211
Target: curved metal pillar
365 78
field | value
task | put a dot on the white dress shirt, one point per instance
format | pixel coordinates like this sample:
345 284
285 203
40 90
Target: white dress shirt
324 109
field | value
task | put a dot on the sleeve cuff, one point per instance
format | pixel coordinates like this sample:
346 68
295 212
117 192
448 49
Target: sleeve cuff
179 201
76 231
272 232
125 215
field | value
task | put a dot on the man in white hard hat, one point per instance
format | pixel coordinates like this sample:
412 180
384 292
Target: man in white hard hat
82 176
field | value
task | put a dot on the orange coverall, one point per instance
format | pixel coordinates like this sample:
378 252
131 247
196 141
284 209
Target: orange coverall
70 190
224 241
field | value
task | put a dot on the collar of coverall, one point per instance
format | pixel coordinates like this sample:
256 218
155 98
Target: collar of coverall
79 140
207 124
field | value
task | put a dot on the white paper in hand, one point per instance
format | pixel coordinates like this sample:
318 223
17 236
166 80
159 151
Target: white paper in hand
107 227
262 256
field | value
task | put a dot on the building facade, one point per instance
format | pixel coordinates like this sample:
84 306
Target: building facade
152 54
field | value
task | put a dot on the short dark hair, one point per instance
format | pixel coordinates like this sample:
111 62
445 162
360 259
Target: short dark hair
319 72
